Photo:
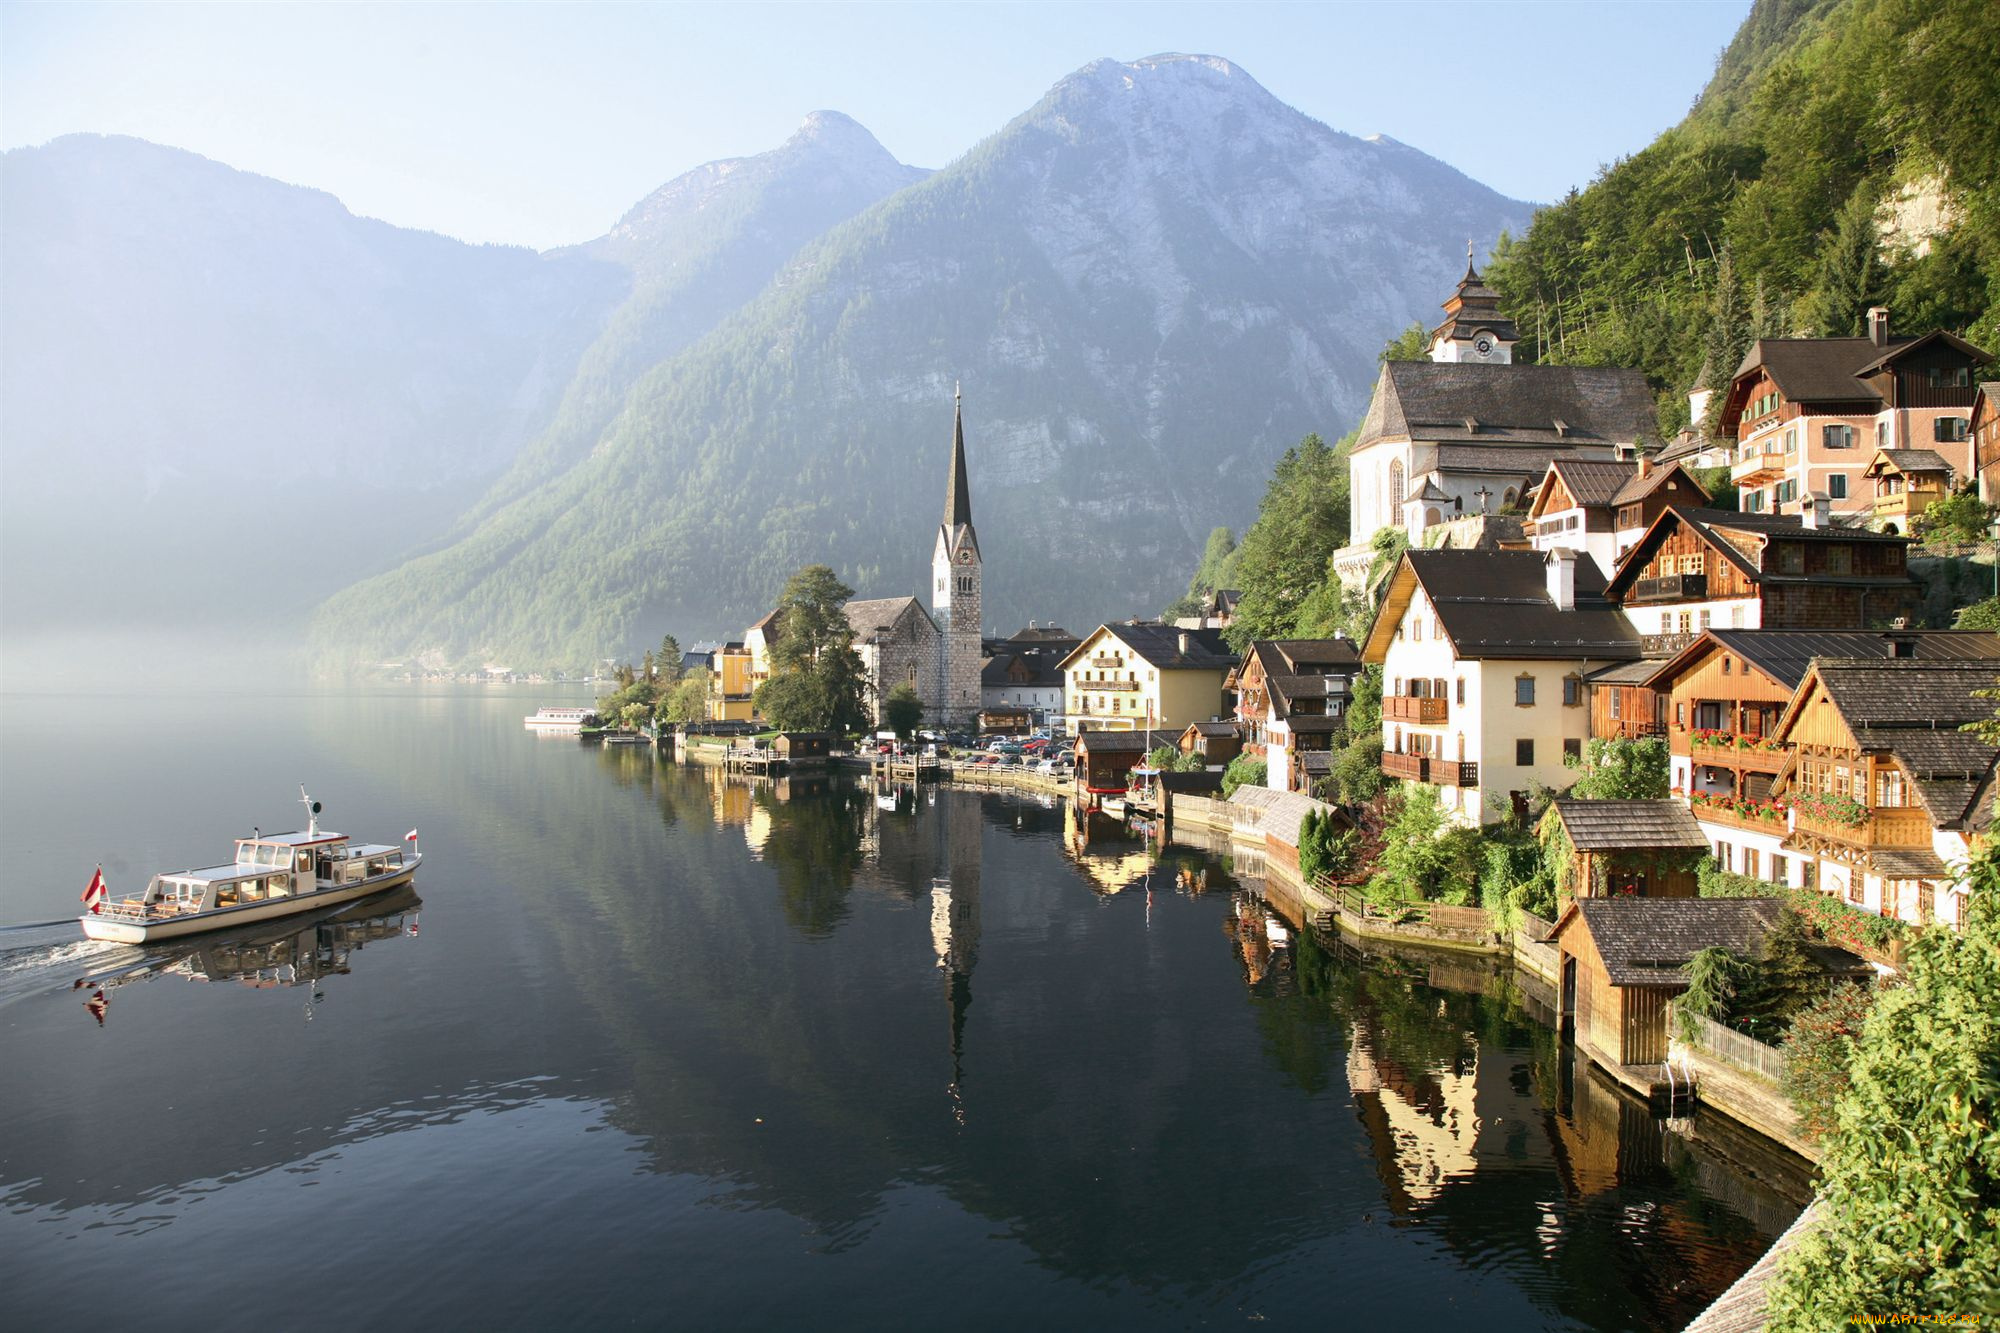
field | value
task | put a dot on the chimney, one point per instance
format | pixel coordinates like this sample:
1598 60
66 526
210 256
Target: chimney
1184 643
1561 567
1645 464
1878 325
1817 510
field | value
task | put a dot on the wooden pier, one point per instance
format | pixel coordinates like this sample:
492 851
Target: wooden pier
757 763
912 769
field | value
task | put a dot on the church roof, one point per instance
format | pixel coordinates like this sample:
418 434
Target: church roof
1466 403
957 528
880 614
1473 306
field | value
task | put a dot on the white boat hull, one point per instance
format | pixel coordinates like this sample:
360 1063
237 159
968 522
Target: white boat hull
128 929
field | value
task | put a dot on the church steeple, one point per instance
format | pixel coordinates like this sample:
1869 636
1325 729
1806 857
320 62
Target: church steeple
958 495
1474 328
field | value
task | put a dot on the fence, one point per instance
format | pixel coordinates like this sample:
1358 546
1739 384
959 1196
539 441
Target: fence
1530 949
1730 1046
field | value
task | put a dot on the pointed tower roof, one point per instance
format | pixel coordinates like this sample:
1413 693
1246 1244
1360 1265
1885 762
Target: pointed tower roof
958 490
1473 306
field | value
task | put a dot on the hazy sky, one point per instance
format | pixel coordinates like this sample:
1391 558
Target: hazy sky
541 124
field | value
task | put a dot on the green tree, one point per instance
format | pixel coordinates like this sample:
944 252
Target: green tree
1243 771
1286 553
1412 344
902 710
1714 976
1819 1047
1849 279
1425 855
688 700
668 659
1357 769
1782 982
816 679
1623 770
1959 517
1909 1195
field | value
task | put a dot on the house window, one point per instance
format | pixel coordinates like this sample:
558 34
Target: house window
1889 787
1753 502
1837 436
1836 485
1524 691
1882 434
1722 855
1725 666
1617 702
1779 871
1840 560
1785 492
1681 716
1948 430
1750 862
1461 690
1572 749
1791 439
1791 558
1524 752
1572 691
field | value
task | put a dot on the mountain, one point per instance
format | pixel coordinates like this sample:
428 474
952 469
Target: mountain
224 391
698 248
1150 284
1844 155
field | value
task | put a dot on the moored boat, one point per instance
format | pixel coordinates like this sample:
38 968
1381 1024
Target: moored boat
571 720
273 875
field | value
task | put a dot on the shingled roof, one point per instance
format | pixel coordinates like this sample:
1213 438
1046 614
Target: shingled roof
1611 826
1649 941
1160 646
1908 460
1914 709
1718 526
1786 654
878 615
1471 402
1593 481
1495 604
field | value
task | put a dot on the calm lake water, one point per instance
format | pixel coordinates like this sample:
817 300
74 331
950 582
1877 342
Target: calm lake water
650 1048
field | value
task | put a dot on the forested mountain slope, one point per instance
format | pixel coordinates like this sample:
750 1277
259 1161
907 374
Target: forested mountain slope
1846 154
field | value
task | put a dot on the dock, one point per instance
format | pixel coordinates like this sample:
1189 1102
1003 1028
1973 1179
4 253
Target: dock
910 769
757 763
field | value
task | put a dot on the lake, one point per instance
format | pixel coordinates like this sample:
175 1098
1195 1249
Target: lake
648 1046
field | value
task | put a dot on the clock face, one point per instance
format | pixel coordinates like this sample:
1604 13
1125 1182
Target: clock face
1483 345
965 557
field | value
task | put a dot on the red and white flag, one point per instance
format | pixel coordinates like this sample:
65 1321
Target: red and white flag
411 836
95 893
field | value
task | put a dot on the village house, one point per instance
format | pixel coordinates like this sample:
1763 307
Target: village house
1291 698
730 687
1218 611
1802 410
1469 432
1603 508
1985 429
1621 960
1145 676
1906 482
1885 790
1105 759
1624 848
1215 742
1722 697
1483 658
1697 569
1021 683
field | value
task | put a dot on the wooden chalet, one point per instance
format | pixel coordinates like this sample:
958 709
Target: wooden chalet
802 748
1886 790
1291 696
1623 848
1601 507
1105 759
1907 482
1984 427
1620 960
1699 569
1216 742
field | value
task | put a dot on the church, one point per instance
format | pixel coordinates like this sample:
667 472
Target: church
937 652
1469 431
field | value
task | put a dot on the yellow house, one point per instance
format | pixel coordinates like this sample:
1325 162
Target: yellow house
729 691
1130 677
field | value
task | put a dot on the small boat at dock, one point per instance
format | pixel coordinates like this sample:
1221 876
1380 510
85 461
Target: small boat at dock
273 875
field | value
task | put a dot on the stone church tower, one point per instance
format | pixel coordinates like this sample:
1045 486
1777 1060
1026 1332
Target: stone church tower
956 571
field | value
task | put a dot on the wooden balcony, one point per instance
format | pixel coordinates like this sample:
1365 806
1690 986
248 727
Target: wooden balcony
1728 755
1885 826
1775 825
1756 464
1410 708
1103 686
1670 588
1424 768
1905 505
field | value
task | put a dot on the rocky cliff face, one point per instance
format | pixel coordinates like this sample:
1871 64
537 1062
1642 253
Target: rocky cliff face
1150 284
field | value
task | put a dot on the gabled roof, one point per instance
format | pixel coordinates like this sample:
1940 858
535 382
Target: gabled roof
1304 657
1501 404
1808 370
1902 347
1786 654
1913 710
1042 634
1715 526
1639 487
1907 461
1495 604
1160 646
1022 670
1648 941
1213 730
1121 742
879 615
1611 826
1590 482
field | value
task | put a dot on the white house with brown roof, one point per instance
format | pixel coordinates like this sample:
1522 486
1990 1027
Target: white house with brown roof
1483 657
1602 508
1291 697
1145 677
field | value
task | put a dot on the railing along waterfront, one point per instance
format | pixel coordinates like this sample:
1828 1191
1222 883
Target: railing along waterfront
1729 1046
1424 711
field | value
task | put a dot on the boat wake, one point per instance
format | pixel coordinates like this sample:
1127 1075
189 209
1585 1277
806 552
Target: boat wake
50 958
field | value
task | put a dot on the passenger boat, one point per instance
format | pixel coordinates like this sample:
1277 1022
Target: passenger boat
273 875
571 720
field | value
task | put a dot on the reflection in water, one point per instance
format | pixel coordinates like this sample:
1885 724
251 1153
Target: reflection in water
271 954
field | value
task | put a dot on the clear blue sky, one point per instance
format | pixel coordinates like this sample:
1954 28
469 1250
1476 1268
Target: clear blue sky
540 124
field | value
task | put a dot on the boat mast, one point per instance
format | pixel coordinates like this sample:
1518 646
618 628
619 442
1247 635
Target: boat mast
312 812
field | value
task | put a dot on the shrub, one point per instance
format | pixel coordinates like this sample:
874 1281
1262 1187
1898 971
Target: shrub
1818 1049
1243 771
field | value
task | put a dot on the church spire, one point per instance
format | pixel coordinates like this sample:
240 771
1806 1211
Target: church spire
958 493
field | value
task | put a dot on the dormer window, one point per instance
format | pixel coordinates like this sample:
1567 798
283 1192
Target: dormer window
1562 428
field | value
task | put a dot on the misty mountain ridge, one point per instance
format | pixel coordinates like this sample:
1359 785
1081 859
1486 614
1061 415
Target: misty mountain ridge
1150 283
